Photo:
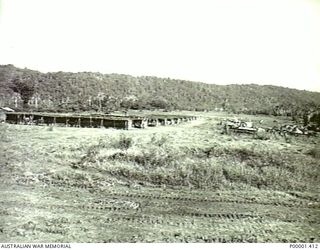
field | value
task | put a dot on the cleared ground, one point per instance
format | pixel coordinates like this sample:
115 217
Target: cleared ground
181 183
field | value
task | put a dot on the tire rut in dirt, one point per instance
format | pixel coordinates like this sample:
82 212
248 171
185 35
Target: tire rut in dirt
47 184
139 215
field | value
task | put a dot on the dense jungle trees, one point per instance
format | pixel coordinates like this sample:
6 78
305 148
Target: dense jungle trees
89 91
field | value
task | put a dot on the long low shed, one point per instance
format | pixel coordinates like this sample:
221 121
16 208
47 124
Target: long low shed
106 121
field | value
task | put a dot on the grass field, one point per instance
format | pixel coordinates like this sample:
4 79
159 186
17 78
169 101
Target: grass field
180 183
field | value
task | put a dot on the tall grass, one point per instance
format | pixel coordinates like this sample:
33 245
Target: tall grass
158 162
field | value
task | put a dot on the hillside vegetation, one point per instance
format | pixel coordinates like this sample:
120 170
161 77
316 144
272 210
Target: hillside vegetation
87 91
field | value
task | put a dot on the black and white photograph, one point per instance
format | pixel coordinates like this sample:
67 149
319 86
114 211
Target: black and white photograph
159 121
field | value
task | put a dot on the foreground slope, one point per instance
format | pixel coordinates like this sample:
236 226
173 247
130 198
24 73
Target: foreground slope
183 183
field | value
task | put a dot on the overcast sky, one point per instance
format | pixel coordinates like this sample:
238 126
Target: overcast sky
214 41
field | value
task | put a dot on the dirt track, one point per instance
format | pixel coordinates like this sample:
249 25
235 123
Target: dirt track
147 215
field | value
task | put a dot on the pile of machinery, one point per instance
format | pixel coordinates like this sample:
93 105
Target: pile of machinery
240 126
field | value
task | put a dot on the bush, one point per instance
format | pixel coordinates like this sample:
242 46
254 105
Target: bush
158 141
124 142
205 174
155 157
314 152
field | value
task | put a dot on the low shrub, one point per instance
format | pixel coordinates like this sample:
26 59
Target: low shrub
123 142
314 152
158 141
190 173
151 157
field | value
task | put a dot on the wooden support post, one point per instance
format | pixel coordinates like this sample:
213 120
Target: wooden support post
79 122
126 124
101 123
129 123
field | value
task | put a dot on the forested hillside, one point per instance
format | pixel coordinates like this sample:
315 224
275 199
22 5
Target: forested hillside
24 89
